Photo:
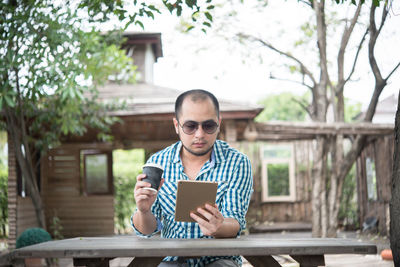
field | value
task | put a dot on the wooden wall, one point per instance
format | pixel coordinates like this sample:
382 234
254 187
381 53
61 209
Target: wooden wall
381 151
12 195
26 216
80 215
296 211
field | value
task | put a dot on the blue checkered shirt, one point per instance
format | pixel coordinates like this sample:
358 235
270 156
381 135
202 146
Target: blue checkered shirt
227 166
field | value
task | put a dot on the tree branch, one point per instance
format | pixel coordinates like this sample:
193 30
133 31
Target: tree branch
374 33
390 74
304 69
288 80
344 42
319 9
303 105
356 57
305 2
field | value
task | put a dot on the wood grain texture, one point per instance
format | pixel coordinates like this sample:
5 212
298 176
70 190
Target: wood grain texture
132 246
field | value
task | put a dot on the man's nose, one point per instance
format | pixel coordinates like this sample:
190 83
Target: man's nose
199 131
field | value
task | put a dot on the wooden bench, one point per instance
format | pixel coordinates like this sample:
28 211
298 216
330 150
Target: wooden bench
98 251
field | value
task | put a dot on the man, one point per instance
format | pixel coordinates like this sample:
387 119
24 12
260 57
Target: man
197 156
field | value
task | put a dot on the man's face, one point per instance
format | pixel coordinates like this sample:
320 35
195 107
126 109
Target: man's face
200 142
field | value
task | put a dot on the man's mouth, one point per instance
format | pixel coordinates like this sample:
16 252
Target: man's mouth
199 144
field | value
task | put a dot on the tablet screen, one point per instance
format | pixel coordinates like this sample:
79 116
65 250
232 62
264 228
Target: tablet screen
192 195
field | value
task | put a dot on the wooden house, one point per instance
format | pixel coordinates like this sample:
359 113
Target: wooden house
282 200
76 180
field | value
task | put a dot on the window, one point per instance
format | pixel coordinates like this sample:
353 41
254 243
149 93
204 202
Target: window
371 178
97 172
278 182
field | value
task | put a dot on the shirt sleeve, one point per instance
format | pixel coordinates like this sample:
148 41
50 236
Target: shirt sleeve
156 210
236 201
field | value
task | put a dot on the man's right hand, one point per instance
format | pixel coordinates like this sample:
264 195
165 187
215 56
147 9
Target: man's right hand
144 198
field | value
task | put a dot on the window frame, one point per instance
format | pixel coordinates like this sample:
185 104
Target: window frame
110 179
264 174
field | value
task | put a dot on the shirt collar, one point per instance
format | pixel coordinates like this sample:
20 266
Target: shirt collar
217 153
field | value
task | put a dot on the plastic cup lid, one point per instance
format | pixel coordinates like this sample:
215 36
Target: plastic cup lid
153 165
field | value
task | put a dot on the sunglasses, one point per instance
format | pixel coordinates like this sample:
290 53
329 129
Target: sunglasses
190 127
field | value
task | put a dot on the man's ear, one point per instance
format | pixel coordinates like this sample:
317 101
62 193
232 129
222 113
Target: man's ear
175 121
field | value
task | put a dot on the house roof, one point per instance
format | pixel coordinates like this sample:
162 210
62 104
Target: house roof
153 38
387 105
150 99
385 110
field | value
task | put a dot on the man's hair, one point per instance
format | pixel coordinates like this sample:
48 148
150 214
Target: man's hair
195 95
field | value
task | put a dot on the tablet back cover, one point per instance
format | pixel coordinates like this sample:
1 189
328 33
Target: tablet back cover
192 195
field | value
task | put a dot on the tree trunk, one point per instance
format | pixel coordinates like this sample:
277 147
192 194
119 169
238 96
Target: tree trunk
26 165
317 189
395 201
323 198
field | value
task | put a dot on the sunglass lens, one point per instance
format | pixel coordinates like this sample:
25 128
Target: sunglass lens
209 126
190 127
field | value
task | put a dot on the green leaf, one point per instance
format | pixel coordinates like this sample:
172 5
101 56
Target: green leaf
208 15
189 28
190 3
178 11
140 24
10 102
150 14
207 24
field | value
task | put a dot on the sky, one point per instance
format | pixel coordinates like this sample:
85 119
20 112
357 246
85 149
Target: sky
216 61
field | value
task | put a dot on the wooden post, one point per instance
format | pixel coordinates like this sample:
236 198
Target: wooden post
145 262
309 260
261 261
95 262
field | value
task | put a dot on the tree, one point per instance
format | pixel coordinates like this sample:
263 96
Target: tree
327 92
48 63
395 201
53 57
284 106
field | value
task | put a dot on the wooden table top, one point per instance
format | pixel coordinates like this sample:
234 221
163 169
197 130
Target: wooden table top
132 246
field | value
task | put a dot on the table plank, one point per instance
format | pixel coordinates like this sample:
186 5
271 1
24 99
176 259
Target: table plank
132 246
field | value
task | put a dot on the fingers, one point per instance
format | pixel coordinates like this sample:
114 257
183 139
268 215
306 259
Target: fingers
211 221
140 183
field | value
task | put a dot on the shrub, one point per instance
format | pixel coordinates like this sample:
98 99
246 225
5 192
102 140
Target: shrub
32 236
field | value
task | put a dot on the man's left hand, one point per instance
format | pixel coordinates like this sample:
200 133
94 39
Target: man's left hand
213 222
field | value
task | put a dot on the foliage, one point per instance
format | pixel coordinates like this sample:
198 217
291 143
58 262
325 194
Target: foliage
278 179
133 12
348 213
351 110
126 166
52 61
284 107
3 200
290 107
56 228
32 236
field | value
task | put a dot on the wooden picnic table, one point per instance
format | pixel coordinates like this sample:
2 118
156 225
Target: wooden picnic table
98 251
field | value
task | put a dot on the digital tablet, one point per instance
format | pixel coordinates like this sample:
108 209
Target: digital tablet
192 195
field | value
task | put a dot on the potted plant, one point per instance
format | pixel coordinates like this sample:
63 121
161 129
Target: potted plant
29 237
